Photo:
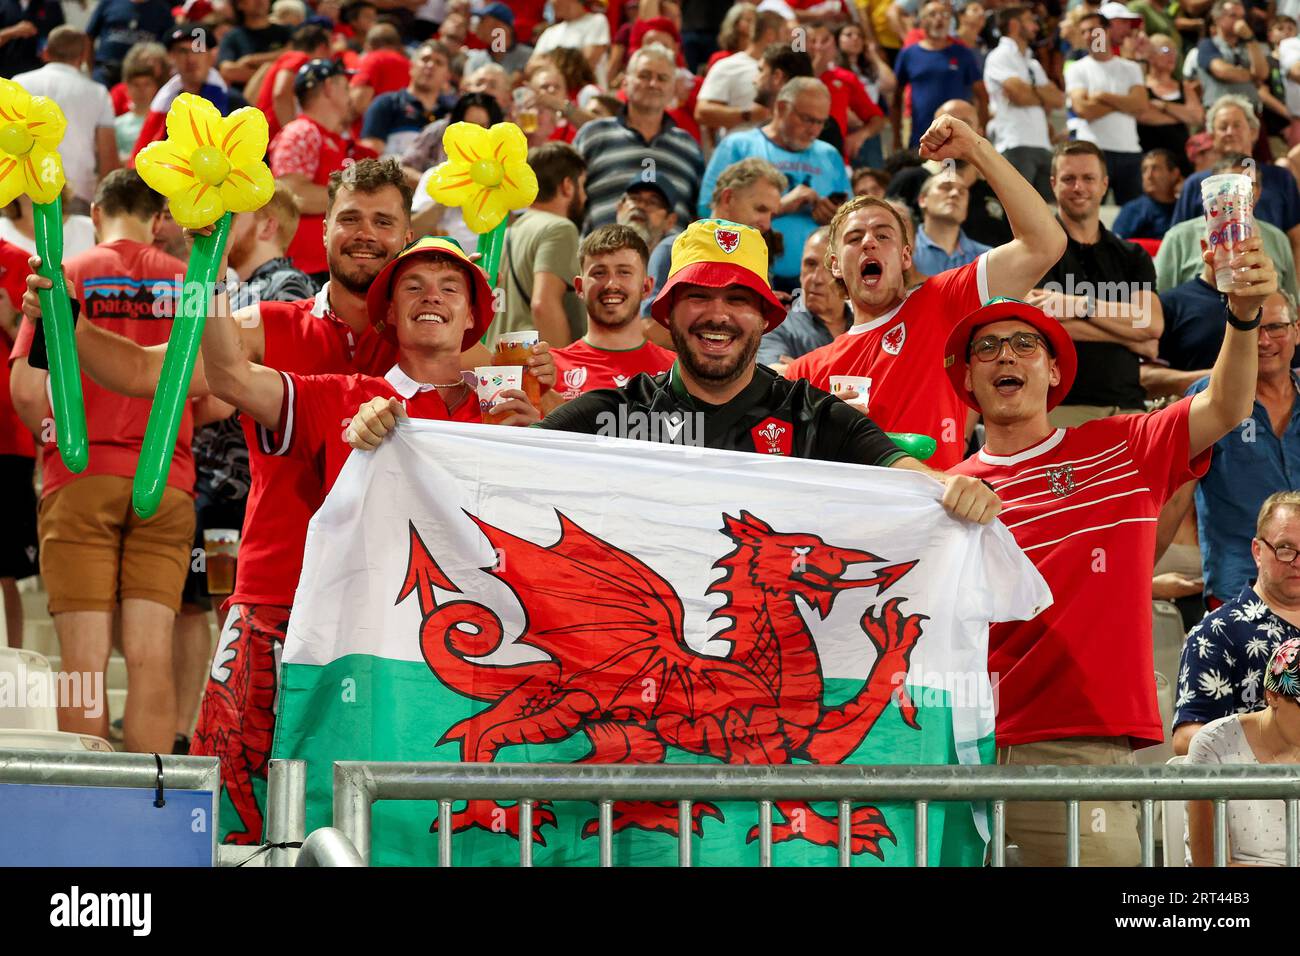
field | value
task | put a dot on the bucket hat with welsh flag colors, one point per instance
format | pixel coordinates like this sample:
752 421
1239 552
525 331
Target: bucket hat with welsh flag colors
717 253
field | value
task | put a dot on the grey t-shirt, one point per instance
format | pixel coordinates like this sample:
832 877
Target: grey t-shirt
539 242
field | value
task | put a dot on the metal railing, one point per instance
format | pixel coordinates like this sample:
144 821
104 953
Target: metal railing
93 769
328 847
358 785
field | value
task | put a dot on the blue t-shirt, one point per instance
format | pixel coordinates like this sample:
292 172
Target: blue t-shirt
1279 200
936 76
1194 323
1222 669
1248 464
390 115
819 166
1143 218
118 25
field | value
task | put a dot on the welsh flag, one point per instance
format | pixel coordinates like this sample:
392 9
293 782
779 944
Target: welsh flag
498 594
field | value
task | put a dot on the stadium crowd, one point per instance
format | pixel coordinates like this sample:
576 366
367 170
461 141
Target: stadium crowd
980 223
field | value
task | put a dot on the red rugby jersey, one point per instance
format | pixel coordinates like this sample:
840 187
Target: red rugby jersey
318 408
305 338
581 367
1083 504
902 353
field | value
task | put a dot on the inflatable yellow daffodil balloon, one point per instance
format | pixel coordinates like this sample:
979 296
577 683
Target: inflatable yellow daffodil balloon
31 128
208 167
209 164
486 175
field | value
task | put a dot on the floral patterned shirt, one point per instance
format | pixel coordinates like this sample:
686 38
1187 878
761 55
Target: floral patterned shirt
1222 670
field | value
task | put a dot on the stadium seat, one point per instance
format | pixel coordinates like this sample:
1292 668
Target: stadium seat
11 739
1175 826
18 669
1168 637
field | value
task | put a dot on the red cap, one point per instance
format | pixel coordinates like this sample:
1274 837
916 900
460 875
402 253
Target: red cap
380 295
956 353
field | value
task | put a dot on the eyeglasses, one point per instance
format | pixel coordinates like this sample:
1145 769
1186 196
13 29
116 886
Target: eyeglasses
1285 555
1277 330
1023 344
818 121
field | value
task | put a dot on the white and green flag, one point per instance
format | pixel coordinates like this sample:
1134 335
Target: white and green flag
499 594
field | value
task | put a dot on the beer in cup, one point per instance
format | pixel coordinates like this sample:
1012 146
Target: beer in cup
516 348
491 381
1228 200
220 550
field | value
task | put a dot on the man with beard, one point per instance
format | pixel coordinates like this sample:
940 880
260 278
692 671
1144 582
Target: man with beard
647 208
1076 684
367 221
612 283
541 251
748 192
717 305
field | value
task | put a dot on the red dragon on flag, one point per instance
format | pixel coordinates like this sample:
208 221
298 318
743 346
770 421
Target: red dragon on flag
621 672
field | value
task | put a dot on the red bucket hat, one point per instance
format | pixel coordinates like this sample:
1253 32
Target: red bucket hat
380 295
956 353
716 253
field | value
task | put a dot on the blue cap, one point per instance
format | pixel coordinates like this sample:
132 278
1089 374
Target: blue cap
314 72
499 11
662 188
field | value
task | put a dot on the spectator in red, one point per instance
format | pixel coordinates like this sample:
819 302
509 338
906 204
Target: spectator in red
274 95
18 545
307 150
97 557
191 50
847 91
528 18
612 282
355 21
383 68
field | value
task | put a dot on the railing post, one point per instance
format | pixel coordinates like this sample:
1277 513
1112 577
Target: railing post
353 796
286 808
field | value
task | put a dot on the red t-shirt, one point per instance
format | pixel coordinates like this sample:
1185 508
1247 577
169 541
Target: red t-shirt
848 93
305 146
291 60
528 14
305 338
581 367
384 70
1082 505
902 353
15 439
128 288
121 98
317 409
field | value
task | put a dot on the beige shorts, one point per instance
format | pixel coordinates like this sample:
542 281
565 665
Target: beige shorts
1108 832
96 551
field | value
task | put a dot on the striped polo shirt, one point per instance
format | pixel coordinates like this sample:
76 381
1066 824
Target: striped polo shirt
615 153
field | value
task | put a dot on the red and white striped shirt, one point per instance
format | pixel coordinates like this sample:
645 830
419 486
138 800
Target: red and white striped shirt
1082 504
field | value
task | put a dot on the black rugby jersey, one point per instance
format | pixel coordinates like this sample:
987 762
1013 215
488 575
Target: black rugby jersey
772 416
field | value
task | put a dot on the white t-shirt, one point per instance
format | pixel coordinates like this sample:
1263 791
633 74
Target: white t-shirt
1256 828
1013 125
1115 132
733 80
591 29
87 106
1288 55
78 235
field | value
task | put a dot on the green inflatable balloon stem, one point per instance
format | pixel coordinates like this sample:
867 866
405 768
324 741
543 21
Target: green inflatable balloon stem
490 246
60 339
178 368
919 447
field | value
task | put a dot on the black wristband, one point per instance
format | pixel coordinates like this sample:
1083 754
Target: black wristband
38 356
1236 323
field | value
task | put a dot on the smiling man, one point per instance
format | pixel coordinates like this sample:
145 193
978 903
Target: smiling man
1076 684
898 333
717 305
